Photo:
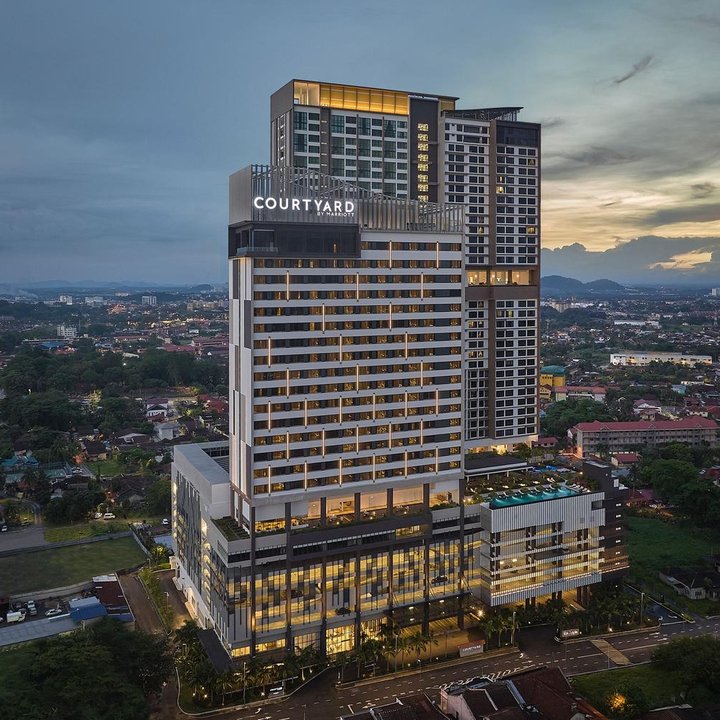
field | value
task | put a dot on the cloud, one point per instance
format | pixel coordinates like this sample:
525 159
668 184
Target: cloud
685 261
637 68
683 214
703 189
552 123
649 259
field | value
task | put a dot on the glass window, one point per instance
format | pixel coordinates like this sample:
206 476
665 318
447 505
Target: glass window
300 142
337 123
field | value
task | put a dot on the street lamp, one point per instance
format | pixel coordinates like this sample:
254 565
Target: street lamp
244 682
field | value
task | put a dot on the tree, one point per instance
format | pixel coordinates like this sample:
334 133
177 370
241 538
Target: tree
38 485
700 663
523 451
105 671
628 701
158 496
561 416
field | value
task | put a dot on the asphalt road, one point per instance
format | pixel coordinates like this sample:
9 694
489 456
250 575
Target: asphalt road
323 701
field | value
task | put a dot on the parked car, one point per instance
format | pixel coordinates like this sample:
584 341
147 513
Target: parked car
32 608
108 516
4 528
165 521
53 611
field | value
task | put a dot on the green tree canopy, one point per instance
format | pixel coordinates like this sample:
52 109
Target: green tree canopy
696 659
105 671
561 416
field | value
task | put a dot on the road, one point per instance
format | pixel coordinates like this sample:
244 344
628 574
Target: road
30 536
147 619
323 701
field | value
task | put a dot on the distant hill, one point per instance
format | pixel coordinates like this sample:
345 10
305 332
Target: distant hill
565 286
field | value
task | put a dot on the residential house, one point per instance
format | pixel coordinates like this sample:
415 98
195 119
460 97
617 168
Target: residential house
538 693
693 584
169 430
409 707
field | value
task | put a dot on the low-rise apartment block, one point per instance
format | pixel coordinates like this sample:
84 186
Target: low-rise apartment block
642 357
612 437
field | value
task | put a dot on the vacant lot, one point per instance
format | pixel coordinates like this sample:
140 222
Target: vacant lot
57 567
107 468
660 687
84 530
654 544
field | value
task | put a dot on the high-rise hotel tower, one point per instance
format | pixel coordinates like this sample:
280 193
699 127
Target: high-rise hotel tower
384 343
419 146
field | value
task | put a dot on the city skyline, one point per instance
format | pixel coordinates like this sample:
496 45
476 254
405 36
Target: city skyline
120 127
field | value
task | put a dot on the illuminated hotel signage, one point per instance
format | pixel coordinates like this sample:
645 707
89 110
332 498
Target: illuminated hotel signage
328 208
423 148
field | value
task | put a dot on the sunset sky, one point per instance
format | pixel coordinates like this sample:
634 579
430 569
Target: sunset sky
120 122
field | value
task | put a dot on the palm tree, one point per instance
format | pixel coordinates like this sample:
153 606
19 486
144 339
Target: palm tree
417 642
388 640
225 683
403 645
504 622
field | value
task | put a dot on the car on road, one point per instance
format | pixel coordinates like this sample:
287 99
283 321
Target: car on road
4 528
166 521
53 611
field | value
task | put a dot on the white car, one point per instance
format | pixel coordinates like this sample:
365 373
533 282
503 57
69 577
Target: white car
165 521
53 611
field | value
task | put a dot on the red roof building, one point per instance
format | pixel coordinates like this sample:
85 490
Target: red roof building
617 437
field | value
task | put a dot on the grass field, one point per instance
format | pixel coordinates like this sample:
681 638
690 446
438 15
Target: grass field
57 567
84 530
660 687
108 468
654 545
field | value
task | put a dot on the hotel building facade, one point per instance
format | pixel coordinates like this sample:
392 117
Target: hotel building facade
383 337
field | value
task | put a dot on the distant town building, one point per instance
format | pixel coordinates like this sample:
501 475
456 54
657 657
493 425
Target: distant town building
551 378
566 392
66 332
149 300
614 437
715 292
563 305
637 323
66 299
94 300
645 357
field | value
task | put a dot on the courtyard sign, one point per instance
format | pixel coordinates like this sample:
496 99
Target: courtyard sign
335 208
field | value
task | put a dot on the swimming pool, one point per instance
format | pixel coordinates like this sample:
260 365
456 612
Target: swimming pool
531 497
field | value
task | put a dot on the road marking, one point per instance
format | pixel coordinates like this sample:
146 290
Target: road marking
351 710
